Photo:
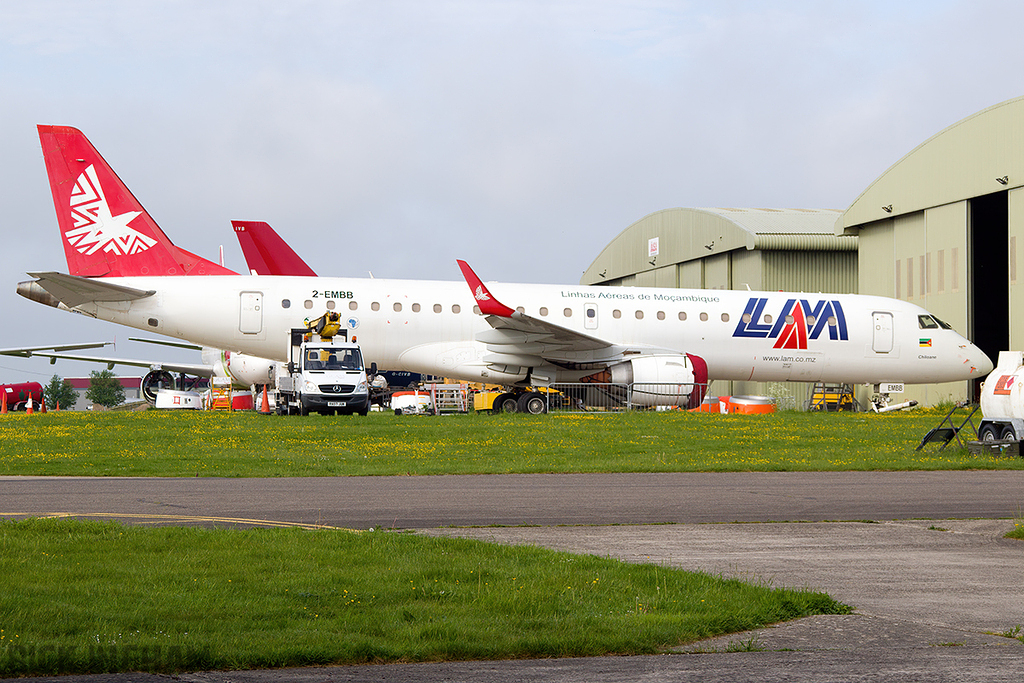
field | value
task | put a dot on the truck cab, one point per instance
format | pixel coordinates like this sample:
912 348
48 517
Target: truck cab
323 376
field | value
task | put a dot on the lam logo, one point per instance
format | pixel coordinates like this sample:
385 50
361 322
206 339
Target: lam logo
95 228
797 322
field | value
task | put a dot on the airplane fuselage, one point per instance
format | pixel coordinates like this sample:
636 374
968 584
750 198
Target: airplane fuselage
431 326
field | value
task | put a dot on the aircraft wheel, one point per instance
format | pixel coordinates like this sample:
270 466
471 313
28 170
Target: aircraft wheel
988 432
532 403
506 403
1008 433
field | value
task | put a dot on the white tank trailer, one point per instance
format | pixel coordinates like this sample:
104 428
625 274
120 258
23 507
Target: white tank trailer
1002 399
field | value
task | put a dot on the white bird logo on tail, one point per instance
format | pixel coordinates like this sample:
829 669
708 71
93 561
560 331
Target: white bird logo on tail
95 227
480 294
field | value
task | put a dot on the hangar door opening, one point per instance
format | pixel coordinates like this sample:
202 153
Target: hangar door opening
989 273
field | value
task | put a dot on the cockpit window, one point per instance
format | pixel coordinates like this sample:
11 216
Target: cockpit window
930 322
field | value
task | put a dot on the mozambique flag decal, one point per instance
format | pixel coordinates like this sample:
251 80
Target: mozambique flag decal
926 342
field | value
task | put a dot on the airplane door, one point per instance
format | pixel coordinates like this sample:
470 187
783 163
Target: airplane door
590 316
882 340
250 317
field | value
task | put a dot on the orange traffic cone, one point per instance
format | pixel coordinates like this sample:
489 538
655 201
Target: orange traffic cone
3 403
43 410
28 406
58 407
265 403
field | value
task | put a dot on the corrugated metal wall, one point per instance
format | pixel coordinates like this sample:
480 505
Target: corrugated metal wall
810 271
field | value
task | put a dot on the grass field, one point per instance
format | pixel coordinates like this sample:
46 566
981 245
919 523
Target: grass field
94 597
183 443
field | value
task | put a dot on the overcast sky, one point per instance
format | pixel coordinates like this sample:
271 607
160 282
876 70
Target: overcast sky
522 136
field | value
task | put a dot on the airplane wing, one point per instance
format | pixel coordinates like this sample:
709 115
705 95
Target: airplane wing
532 340
28 351
72 290
197 369
167 342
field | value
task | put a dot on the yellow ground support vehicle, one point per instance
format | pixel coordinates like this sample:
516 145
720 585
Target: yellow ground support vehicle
532 400
832 397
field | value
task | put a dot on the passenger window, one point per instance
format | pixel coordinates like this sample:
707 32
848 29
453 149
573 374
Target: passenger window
331 305
682 315
616 314
767 319
543 310
567 313
703 317
746 318
639 315
832 322
456 308
725 317
415 308
591 312
285 303
661 315
811 319
352 306
375 306
476 309
307 303
437 308
397 307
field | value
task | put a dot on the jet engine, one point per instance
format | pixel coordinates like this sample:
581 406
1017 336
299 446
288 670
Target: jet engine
154 382
659 380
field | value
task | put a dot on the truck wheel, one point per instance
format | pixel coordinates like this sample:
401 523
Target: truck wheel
988 432
1008 433
506 403
532 403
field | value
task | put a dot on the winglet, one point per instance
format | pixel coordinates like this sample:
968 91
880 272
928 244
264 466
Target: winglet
484 299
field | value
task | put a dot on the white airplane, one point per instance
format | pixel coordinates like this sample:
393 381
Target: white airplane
125 270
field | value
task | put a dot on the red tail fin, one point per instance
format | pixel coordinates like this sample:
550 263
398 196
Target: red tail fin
266 253
105 230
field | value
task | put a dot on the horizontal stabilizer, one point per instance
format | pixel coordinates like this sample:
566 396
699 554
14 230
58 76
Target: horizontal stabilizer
72 290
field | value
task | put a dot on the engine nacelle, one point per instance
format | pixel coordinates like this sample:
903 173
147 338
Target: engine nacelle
660 380
153 382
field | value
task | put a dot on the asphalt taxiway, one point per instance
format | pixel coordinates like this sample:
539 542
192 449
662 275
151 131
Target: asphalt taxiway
920 555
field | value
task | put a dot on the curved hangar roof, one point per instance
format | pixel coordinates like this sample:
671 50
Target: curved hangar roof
979 155
691 234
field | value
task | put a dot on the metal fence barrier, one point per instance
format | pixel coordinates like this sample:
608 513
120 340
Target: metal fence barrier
597 398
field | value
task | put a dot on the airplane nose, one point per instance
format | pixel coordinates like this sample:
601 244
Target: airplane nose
981 363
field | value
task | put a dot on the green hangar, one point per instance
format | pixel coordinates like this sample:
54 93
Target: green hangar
942 228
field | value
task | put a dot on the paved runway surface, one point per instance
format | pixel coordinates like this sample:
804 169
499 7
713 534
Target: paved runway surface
544 499
932 592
